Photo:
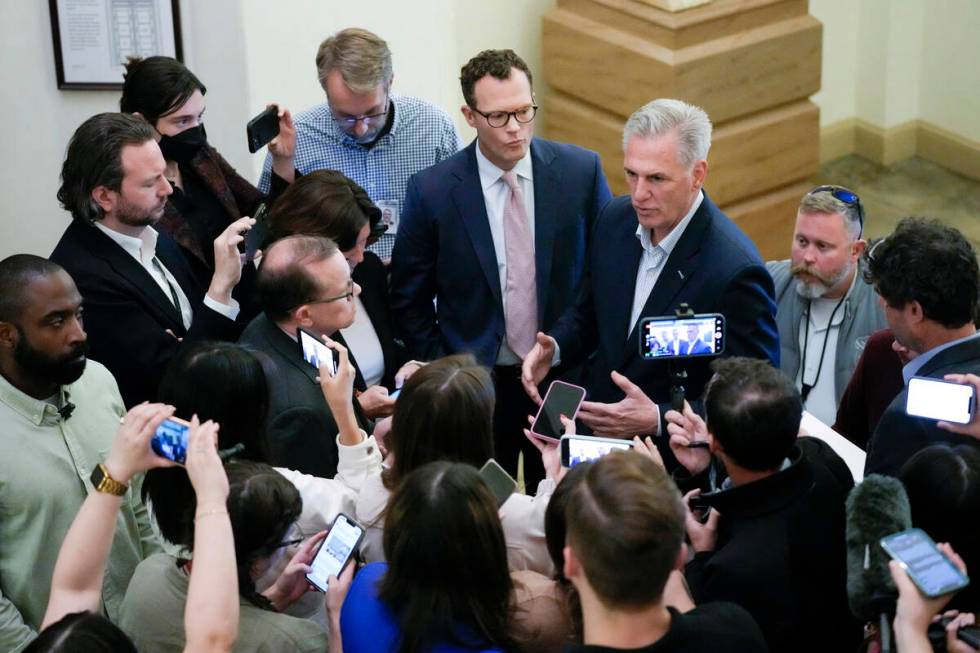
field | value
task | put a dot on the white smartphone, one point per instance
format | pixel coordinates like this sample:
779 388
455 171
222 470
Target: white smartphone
577 449
336 551
315 351
941 400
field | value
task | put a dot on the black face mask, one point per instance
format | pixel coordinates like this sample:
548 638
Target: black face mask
184 146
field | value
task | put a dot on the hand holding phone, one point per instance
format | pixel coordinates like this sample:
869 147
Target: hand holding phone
336 551
315 351
941 400
929 568
255 236
170 439
577 449
562 399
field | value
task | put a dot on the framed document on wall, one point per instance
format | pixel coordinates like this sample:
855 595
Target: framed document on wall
94 38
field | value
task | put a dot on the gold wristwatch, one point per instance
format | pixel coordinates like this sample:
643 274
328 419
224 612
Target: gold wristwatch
105 483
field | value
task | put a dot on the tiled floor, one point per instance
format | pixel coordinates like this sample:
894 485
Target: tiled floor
912 187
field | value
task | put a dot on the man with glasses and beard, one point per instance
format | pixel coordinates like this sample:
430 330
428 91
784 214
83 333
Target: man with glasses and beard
825 310
141 296
373 136
59 413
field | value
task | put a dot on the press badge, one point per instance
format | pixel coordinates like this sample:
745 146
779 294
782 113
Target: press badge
389 214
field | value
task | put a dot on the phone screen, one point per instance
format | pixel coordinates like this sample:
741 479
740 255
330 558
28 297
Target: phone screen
669 337
577 449
562 399
336 550
941 400
927 566
170 439
315 351
500 482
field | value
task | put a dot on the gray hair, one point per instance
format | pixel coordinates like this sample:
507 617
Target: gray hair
362 57
825 203
689 122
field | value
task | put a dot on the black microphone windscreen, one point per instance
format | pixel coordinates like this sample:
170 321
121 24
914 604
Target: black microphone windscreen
876 507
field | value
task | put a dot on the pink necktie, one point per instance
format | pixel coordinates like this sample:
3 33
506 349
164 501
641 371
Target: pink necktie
521 314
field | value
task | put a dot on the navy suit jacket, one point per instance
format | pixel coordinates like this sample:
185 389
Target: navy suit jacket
444 250
714 268
127 314
899 436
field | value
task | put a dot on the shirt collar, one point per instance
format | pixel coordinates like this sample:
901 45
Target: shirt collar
913 366
490 174
143 248
33 410
669 241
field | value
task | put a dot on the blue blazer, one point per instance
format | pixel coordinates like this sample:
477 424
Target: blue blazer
444 250
714 268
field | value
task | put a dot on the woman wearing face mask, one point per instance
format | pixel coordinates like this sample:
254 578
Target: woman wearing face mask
208 193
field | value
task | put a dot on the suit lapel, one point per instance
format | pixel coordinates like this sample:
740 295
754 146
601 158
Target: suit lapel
546 201
288 348
677 271
626 265
965 351
472 209
133 275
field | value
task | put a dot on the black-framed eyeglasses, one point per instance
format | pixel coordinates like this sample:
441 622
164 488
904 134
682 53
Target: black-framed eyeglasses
847 197
326 300
498 119
370 120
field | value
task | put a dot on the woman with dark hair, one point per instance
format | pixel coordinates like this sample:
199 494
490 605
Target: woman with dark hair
326 203
208 193
262 506
444 412
446 585
943 484
227 383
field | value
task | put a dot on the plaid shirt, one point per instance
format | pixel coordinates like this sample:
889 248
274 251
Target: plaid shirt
421 136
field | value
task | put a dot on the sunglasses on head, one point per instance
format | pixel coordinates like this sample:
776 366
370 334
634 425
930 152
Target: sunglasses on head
847 197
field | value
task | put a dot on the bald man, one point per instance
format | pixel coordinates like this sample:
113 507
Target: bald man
303 281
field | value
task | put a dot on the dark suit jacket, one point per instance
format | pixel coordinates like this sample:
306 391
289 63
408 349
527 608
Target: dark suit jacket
714 268
444 249
301 430
898 436
127 314
371 275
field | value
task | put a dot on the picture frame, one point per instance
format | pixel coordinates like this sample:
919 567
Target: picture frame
94 38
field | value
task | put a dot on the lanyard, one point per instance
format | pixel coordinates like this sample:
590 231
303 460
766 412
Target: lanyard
805 387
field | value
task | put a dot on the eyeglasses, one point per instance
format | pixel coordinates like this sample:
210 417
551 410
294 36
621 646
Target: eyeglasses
498 119
371 120
847 197
347 295
870 254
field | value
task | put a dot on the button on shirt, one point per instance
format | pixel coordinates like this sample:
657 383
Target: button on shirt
421 135
144 249
653 259
44 478
495 195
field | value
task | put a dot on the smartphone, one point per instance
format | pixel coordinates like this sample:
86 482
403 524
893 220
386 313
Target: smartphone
673 337
501 484
562 399
927 566
315 351
262 128
336 550
394 395
941 400
170 439
577 449
255 236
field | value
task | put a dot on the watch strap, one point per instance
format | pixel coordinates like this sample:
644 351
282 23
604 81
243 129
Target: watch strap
103 482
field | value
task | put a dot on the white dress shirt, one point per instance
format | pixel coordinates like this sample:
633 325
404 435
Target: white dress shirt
653 259
362 340
144 250
495 195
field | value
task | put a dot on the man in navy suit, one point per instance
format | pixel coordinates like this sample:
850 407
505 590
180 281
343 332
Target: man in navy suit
140 295
663 245
497 236
694 344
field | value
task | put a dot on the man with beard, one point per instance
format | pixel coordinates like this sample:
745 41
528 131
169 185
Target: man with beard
59 419
140 294
825 310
